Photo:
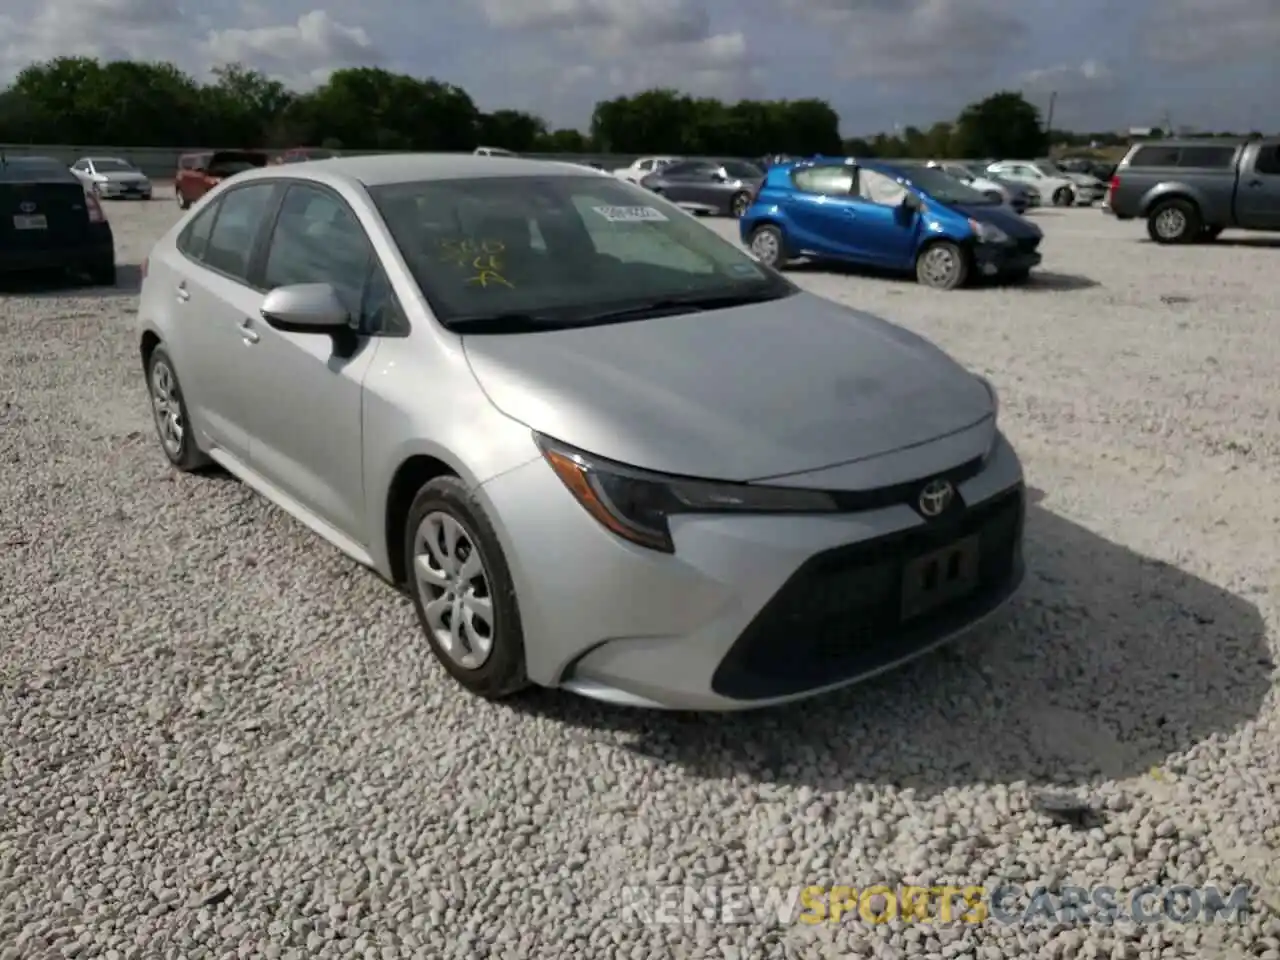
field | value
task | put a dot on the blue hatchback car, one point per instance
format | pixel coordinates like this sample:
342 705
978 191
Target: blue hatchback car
894 216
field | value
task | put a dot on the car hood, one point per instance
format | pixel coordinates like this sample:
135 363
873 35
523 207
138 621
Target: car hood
746 393
1002 216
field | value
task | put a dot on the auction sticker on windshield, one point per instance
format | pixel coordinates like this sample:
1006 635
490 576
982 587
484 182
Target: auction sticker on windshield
630 214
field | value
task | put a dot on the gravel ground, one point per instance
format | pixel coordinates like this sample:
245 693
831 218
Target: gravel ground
222 739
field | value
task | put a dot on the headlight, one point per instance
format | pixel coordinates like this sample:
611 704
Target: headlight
637 505
995 414
988 232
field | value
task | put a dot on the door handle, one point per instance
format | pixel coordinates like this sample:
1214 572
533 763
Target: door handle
249 334
183 293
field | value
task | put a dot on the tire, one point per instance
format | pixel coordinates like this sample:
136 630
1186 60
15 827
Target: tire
500 671
1064 197
1174 221
184 454
942 266
739 204
769 246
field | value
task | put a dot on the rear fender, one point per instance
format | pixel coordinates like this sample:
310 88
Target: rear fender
1169 191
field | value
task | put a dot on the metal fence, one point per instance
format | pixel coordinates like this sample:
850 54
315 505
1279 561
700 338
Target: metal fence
163 161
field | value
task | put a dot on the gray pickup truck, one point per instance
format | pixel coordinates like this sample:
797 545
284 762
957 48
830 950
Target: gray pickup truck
1191 190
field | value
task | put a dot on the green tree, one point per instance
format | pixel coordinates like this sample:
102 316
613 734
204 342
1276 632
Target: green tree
1005 124
511 129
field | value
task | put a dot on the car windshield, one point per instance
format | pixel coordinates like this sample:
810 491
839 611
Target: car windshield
112 166
556 251
1051 168
944 187
740 170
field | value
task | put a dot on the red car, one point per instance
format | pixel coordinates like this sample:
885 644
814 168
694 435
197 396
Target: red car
198 173
303 154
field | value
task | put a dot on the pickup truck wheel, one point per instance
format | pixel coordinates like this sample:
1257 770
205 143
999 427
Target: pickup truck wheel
1064 197
768 246
942 265
1174 221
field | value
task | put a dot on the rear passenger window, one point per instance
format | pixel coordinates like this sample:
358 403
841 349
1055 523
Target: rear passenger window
193 240
239 220
1207 158
828 181
1155 157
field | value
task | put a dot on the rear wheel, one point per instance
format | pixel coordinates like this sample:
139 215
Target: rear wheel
1174 221
943 266
768 246
169 410
462 590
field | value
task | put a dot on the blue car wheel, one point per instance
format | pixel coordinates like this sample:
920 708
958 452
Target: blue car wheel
768 246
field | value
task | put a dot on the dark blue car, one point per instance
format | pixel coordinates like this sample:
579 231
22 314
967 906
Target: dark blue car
892 216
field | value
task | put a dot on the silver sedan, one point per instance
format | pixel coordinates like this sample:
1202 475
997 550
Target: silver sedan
112 177
600 447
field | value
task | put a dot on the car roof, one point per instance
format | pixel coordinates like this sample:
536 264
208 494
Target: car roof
100 159
35 169
385 169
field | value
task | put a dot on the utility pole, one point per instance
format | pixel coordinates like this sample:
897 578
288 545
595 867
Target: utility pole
1048 123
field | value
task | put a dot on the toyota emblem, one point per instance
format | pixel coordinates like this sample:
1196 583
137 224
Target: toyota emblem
936 497
27 207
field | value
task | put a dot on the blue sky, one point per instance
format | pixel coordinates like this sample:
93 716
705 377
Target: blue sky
1204 63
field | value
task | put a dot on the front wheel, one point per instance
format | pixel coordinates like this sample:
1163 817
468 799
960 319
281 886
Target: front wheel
768 246
943 266
739 205
462 590
1064 197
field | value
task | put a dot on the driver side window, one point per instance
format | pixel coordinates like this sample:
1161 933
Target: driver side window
879 189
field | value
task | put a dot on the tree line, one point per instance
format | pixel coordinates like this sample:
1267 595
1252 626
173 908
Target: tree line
81 100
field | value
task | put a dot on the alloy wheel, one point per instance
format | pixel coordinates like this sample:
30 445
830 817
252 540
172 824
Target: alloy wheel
939 265
1171 223
166 407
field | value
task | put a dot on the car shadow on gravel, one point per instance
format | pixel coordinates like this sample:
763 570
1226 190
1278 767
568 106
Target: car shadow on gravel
1107 663
58 286
1044 281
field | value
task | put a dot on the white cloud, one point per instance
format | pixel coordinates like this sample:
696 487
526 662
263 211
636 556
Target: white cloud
1207 32
301 54
647 24
1091 77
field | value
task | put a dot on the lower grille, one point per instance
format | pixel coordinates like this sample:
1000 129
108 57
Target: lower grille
840 615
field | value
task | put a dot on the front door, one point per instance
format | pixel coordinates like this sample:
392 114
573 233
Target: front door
886 231
306 431
1258 197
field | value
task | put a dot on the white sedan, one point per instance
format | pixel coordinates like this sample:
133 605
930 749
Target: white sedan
112 177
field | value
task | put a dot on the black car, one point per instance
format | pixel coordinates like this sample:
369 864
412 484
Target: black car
49 222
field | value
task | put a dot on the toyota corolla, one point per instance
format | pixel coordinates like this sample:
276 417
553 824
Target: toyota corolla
601 448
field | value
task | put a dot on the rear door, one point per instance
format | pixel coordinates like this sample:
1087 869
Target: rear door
821 211
1258 197
682 182
213 297
41 213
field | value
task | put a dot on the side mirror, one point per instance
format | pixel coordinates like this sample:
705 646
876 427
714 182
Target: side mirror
911 202
311 308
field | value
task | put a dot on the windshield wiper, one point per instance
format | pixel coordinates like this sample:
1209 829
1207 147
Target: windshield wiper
513 321
689 303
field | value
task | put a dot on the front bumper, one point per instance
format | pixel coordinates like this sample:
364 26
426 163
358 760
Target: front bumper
121 191
750 611
991 260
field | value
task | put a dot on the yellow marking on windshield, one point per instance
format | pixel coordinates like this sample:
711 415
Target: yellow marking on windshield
482 256
489 273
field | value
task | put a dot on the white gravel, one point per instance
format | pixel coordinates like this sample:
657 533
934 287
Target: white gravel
222 739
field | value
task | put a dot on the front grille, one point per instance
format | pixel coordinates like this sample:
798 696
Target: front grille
839 616
854 501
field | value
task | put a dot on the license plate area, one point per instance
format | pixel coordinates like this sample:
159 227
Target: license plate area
34 221
939 577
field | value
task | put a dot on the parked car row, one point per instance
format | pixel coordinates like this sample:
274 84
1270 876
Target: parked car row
511 397
908 217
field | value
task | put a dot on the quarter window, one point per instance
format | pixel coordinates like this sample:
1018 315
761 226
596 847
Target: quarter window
1269 160
1155 157
1207 158
317 239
